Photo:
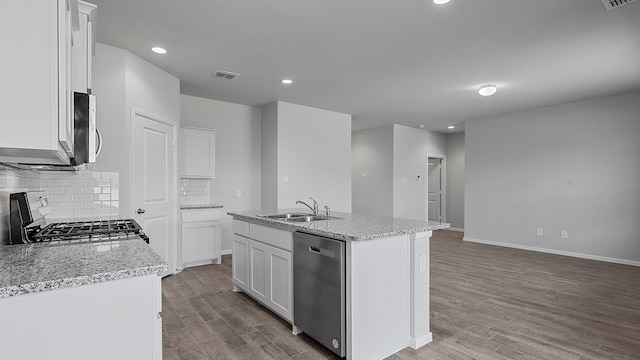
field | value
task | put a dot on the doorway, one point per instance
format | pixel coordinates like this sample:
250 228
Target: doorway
154 176
435 191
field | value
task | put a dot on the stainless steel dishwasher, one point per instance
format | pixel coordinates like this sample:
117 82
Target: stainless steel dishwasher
319 289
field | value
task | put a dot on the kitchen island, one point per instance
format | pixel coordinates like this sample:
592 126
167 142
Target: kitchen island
387 274
81 300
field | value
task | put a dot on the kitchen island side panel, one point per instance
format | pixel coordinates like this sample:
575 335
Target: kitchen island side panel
378 289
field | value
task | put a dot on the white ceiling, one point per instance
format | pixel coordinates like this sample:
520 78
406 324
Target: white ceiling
386 61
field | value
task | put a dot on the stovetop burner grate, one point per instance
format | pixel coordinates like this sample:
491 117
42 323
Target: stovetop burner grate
83 228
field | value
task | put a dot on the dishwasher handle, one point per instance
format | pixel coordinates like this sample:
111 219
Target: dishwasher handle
321 251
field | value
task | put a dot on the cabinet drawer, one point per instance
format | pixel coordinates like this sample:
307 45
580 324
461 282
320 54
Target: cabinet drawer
274 237
201 215
240 227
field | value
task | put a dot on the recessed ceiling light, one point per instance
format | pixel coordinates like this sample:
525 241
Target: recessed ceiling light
287 81
421 126
451 127
487 90
158 50
440 2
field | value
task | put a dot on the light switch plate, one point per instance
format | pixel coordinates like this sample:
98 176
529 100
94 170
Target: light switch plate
422 259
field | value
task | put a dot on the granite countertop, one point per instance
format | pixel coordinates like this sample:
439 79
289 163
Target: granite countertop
353 227
200 206
33 268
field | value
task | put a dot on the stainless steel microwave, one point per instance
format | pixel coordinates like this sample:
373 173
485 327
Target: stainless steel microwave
87 139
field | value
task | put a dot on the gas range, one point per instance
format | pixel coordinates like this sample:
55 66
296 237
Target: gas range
24 229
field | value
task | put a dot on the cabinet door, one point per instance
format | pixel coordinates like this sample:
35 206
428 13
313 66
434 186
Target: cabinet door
198 242
240 262
197 153
259 281
29 105
280 272
65 84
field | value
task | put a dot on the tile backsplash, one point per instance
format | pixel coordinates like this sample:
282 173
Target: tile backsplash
71 196
195 191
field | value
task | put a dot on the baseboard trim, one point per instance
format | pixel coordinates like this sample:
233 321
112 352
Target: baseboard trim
555 252
456 229
418 343
226 252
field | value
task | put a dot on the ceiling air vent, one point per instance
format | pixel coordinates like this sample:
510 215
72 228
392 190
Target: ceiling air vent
614 4
225 74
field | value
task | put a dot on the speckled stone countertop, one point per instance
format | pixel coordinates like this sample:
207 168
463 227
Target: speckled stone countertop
200 206
32 268
353 227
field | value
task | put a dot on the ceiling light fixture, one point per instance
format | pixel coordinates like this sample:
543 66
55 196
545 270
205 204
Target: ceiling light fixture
286 81
451 127
487 90
440 2
421 126
158 50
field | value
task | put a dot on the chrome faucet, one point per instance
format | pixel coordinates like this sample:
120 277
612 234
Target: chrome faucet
327 210
314 208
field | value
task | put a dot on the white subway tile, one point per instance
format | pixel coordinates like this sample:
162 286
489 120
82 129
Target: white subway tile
101 197
101 182
110 175
62 182
82 182
72 190
92 190
62 214
91 175
81 197
73 205
50 175
91 204
82 213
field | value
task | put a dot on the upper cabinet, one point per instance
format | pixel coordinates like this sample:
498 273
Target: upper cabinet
36 93
84 47
197 153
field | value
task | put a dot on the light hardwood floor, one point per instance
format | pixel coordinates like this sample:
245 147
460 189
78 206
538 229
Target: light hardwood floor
487 302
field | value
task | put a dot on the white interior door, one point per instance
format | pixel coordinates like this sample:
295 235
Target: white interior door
435 190
154 193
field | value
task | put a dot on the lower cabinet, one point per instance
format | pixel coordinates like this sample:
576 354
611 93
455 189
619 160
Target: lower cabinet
263 270
240 263
117 319
201 238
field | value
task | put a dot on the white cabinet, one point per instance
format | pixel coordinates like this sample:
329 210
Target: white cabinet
36 94
240 265
201 237
197 153
104 321
263 267
84 47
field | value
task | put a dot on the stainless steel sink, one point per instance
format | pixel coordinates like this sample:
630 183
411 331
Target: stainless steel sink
283 216
299 217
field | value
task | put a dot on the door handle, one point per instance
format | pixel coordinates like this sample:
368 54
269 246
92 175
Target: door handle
140 211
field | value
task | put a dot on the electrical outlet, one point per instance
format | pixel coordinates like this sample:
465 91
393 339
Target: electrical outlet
539 231
238 192
564 234
286 179
422 259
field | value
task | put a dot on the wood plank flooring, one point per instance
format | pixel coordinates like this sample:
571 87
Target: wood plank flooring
487 302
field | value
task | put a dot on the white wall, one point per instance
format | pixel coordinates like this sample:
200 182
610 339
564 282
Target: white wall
396 186
372 154
573 167
314 152
455 180
121 81
411 150
237 153
270 157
